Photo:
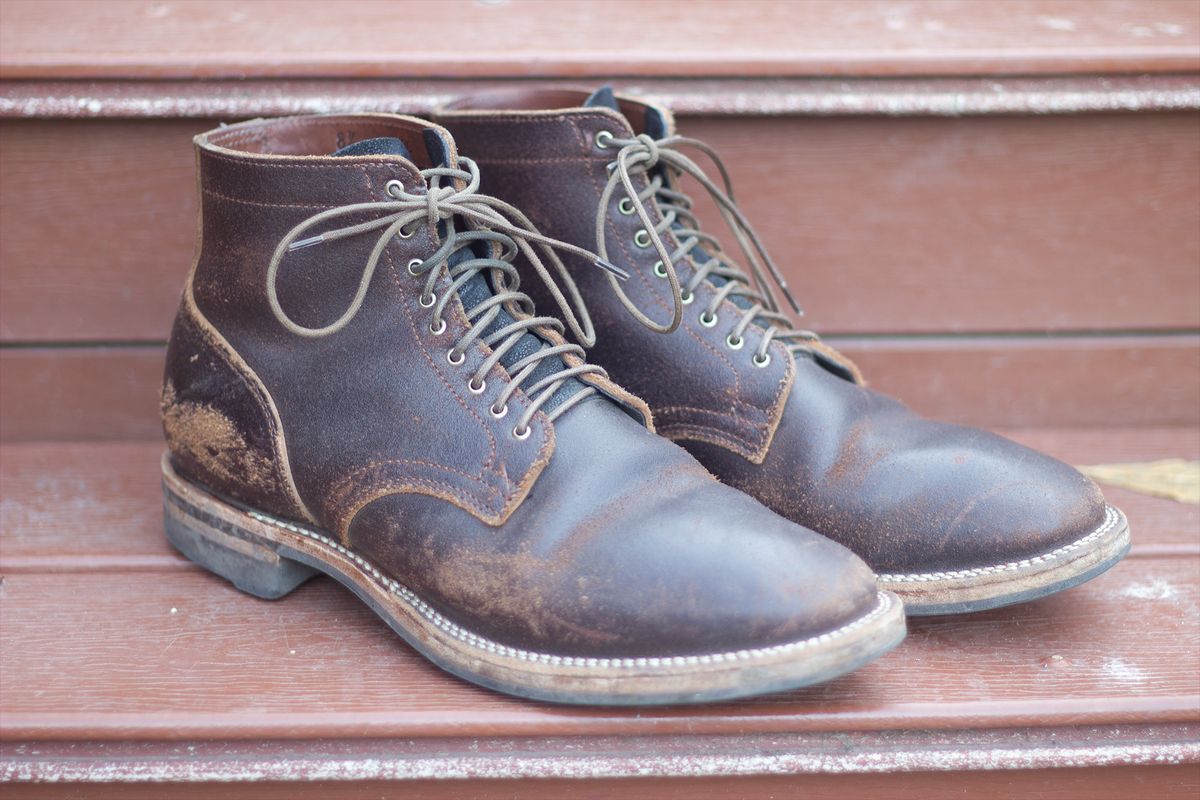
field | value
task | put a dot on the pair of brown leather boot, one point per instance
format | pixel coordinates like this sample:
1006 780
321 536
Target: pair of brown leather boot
358 384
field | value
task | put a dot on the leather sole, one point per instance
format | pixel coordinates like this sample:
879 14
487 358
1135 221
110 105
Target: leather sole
269 557
981 588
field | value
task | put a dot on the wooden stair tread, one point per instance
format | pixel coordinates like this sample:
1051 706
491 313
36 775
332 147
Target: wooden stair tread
108 635
528 39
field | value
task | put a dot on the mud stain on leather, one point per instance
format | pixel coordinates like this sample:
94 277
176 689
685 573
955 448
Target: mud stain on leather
211 440
508 588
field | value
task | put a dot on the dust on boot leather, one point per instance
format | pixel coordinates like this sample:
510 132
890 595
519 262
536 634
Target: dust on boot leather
953 518
356 385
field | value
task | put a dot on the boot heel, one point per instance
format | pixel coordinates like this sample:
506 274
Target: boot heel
234 553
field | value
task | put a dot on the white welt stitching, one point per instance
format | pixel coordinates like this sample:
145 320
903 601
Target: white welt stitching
1111 517
465 636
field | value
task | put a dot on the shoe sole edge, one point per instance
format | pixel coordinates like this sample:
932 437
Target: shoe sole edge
268 558
998 585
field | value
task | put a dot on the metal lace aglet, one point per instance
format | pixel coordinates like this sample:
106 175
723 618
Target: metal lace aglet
612 268
791 300
309 242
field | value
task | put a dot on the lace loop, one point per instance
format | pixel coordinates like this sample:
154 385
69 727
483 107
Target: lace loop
639 156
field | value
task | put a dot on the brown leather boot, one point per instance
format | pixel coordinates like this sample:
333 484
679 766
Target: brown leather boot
355 385
954 519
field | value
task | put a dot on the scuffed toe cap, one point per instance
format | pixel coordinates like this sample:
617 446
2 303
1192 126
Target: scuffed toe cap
626 547
967 498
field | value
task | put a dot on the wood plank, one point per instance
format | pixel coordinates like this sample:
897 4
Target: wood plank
151 656
74 39
111 393
739 97
882 226
80 393
47 489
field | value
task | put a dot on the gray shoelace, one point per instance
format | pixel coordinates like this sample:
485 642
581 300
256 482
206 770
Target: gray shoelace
640 156
490 221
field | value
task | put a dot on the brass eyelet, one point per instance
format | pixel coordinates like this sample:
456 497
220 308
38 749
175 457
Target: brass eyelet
522 435
708 319
476 388
735 343
761 362
625 206
412 265
450 357
604 139
642 238
659 269
432 298
439 329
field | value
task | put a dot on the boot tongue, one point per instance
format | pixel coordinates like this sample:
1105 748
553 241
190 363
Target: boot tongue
655 125
383 146
477 288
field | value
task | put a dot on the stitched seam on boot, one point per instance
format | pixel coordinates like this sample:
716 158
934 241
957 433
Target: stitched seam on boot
1111 518
883 604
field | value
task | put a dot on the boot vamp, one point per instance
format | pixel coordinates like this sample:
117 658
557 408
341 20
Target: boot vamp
625 546
906 493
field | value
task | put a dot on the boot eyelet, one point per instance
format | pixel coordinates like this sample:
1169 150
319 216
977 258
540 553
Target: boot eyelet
735 343
427 301
687 297
439 328
642 238
402 234
625 206
766 359
708 319
659 269
604 139
455 361
522 435
412 266
394 188
476 387
498 413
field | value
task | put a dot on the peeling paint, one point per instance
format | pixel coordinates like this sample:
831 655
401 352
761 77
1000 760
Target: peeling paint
1157 589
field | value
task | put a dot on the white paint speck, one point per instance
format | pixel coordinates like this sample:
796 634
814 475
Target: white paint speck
1169 28
1157 589
1056 23
1123 671
1141 31
174 610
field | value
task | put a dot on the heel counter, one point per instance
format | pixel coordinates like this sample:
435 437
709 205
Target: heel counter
221 427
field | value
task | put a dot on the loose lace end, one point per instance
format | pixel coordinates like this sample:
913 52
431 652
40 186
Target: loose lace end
791 300
612 268
309 242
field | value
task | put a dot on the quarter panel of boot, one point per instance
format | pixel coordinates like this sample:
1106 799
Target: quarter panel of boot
218 425
374 408
625 547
